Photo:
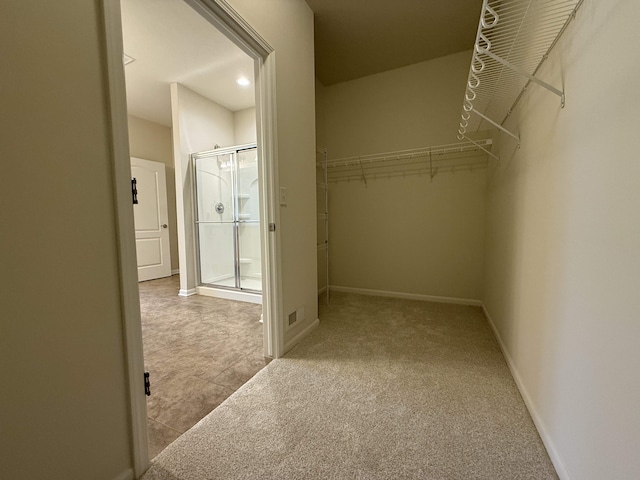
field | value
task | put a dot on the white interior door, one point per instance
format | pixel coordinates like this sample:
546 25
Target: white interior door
151 219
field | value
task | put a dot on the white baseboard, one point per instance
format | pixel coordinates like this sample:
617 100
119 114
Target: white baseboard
175 272
126 475
187 293
408 296
559 465
230 294
294 341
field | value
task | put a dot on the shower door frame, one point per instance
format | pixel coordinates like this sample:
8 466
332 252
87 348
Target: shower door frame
233 152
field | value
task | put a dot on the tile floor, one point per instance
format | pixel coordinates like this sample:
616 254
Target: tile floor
198 351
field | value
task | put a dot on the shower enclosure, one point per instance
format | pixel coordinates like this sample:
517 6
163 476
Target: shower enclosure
228 218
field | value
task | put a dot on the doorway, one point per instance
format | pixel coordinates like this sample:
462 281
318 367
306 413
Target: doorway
234 27
197 351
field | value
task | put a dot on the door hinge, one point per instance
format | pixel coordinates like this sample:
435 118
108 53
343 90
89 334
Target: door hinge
147 384
134 190
272 227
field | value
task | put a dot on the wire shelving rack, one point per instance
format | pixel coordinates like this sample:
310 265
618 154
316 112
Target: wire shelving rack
428 161
322 213
514 38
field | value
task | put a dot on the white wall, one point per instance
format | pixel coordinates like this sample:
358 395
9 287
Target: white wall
288 27
562 247
198 124
244 126
404 234
63 393
152 141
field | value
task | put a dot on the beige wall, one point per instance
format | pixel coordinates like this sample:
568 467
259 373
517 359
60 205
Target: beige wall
288 27
244 126
321 135
63 395
562 256
404 234
410 107
409 235
152 141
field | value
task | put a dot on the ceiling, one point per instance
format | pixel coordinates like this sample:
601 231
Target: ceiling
171 42
355 38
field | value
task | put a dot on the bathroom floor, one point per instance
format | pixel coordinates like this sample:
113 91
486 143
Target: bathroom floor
198 351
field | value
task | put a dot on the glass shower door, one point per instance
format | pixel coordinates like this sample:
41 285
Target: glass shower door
248 215
215 219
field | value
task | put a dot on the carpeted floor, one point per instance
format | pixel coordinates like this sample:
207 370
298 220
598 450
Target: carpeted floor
198 350
382 389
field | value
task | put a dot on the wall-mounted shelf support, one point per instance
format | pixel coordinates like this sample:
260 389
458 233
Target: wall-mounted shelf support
481 148
431 172
551 88
495 124
364 178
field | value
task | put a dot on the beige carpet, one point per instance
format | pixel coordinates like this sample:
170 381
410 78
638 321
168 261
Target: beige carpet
383 389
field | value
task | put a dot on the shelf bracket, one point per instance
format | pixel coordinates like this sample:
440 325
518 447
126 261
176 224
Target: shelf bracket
495 124
364 177
482 148
431 166
506 63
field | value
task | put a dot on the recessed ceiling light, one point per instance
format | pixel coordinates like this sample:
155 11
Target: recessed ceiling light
126 59
243 82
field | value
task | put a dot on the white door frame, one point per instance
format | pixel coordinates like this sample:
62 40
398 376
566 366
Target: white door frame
229 22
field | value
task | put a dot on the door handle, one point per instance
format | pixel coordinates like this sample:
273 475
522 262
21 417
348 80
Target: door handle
164 225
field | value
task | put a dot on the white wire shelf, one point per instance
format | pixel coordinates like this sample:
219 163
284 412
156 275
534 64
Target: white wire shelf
430 160
514 38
